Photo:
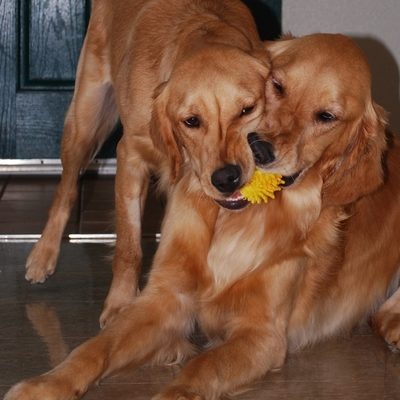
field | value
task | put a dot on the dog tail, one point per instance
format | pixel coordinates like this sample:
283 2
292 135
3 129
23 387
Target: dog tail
91 118
106 122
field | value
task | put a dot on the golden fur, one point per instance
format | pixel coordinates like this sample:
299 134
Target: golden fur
199 58
315 261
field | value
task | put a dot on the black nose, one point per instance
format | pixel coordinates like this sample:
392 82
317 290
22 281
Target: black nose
263 151
227 179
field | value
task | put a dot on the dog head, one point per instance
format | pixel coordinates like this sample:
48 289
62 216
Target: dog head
203 114
320 115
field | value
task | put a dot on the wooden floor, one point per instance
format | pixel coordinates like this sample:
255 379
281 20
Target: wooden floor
40 324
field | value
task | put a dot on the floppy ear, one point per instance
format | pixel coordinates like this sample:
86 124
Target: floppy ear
261 60
358 170
162 134
276 47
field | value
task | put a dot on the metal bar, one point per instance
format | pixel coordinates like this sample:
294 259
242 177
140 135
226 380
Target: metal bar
106 166
72 237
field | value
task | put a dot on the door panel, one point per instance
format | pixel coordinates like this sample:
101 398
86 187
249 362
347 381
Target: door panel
40 42
8 78
51 35
40 119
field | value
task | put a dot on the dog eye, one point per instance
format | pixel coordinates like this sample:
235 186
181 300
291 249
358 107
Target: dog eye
278 87
247 110
325 116
192 122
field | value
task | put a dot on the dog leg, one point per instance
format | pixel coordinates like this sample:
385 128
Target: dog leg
128 251
153 328
90 119
156 325
131 185
387 320
255 338
243 358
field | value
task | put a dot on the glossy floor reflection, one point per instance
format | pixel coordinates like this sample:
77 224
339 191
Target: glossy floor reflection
40 324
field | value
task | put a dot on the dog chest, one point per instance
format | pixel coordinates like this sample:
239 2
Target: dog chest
238 247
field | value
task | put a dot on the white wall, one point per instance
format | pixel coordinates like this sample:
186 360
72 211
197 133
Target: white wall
374 24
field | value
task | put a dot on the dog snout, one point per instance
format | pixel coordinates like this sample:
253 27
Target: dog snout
263 151
227 178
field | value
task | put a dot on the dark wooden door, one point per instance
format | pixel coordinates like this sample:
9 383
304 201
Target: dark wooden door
40 42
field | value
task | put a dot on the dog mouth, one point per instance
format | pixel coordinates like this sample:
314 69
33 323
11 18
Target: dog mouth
290 179
237 202
234 202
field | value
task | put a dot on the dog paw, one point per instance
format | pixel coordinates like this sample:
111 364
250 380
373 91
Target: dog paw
41 388
111 310
388 326
114 303
41 263
108 314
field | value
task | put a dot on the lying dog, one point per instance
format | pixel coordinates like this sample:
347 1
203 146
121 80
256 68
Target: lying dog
271 277
207 63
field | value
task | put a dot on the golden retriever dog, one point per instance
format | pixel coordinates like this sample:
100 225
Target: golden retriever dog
262 280
204 57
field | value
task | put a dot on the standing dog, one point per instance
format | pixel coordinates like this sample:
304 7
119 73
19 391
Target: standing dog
272 277
204 56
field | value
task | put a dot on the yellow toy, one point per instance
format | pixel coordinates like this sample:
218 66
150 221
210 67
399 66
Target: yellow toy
262 187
